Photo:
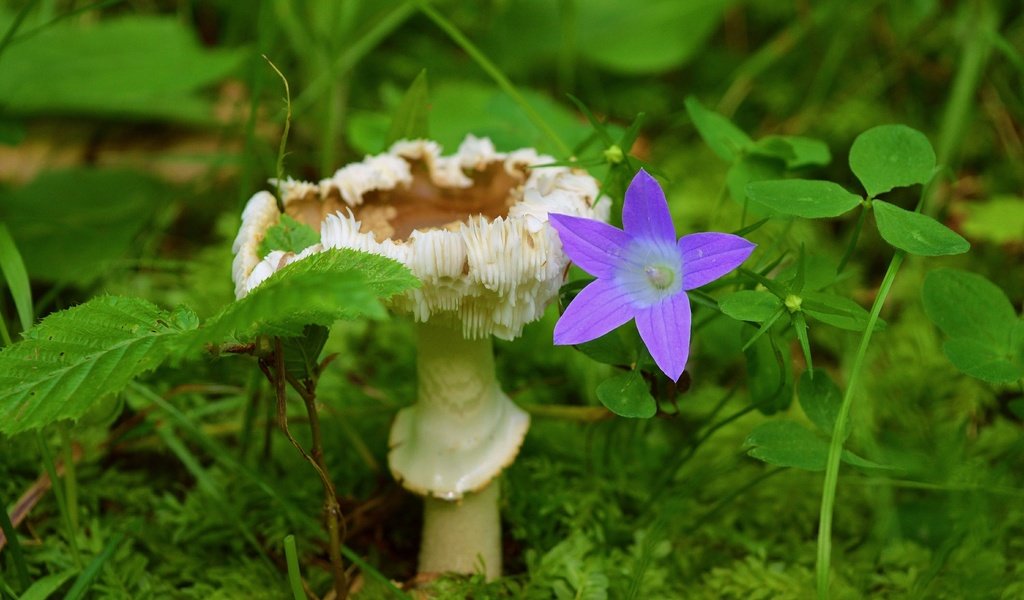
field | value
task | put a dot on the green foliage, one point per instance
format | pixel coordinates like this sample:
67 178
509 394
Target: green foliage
986 336
94 214
820 400
718 132
999 220
410 119
803 198
318 290
626 395
13 270
916 233
789 444
288 235
79 355
84 69
891 156
751 305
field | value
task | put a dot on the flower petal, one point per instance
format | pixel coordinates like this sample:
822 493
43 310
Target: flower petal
594 246
708 256
665 329
645 210
596 310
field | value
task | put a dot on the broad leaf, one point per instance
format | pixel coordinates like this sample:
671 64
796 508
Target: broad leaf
627 395
891 156
820 399
964 304
410 118
750 305
769 375
75 357
288 235
132 67
660 35
999 220
317 290
725 139
789 444
96 214
811 199
985 362
916 233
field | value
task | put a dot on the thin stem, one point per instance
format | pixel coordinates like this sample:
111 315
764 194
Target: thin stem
70 478
730 497
58 492
852 245
332 511
495 73
20 567
828 496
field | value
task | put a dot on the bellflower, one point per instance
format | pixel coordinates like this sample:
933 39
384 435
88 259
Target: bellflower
642 273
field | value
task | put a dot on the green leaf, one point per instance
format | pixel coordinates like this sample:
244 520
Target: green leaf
725 139
891 156
617 347
820 399
86 69
965 304
410 120
94 214
627 395
750 305
789 444
999 220
811 199
749 168
986 336
13 270
916 233
806 152
75 357
769 375
288 235
662 35
837 311
302 353
983 361
46 586
317 290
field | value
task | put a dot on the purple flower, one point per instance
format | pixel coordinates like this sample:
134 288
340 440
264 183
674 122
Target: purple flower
642 273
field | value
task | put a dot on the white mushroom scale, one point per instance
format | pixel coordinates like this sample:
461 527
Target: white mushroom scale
473 228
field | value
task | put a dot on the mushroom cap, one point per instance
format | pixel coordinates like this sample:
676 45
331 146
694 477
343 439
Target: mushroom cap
473 227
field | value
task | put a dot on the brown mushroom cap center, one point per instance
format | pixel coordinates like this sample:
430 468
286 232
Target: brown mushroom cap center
394 214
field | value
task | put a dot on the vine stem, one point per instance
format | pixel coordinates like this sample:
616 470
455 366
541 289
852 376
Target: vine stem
835 450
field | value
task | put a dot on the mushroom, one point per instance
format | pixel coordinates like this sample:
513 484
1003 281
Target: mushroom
473 227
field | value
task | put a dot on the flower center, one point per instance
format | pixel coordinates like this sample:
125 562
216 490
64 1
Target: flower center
660 276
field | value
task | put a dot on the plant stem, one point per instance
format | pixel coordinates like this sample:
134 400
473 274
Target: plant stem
853 239
11 534
828 495
70 479
495 73
332 511
58 492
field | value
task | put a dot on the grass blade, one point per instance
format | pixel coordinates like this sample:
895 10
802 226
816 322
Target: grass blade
14 272
85 580
11 534
294 574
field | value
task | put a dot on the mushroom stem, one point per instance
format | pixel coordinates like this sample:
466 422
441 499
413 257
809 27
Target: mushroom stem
462 536
450 446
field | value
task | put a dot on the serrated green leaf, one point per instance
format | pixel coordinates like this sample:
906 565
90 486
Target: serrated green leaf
983 361
288 235
916 233
964 304
725 139
317 290
837 311
627 395
74 357
821 399
88 71
807 198
891 156
410 119
750 305
789 444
